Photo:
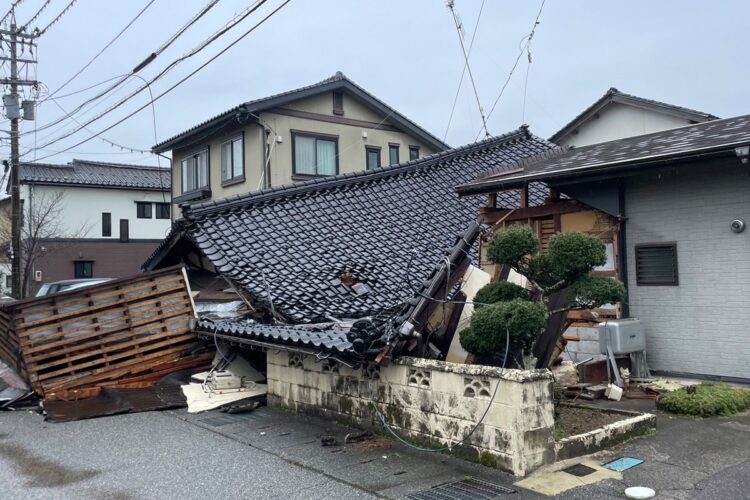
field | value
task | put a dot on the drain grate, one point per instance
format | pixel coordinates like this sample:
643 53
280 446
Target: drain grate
579 470
467 489
233 418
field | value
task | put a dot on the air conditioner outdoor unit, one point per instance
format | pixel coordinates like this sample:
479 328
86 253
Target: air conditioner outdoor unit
622 335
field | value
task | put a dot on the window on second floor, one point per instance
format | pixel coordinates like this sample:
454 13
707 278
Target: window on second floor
233 160
314 154
372 157
162 210
393 154
143 209
413 152
195 171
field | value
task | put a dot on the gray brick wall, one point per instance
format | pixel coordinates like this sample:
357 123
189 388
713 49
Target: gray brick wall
702 325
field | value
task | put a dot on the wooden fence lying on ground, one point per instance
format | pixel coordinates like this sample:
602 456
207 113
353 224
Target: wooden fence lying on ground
124 333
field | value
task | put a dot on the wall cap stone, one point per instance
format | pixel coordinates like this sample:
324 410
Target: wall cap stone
512 375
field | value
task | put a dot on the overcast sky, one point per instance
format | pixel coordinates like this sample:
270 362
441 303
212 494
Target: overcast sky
407 53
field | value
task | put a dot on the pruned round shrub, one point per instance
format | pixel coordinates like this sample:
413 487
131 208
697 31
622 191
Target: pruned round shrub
500 291
573 255
524 321
511 246
589 292
705 400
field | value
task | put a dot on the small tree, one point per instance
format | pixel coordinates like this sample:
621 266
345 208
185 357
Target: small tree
565 268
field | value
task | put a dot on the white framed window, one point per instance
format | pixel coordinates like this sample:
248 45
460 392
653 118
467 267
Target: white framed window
195 173
233 159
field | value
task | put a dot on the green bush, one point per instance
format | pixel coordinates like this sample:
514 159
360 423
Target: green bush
521 319
706 399
511 246
573 255
589 293
500 291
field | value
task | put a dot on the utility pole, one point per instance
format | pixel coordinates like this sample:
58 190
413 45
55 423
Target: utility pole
15 189
13 111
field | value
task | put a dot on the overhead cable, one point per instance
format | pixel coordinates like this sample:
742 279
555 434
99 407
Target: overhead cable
96 56
62 13
35 16
158 51
180 82
515 64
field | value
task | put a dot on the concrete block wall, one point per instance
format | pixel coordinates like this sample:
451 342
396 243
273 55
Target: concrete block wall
432 403
701 325
585 348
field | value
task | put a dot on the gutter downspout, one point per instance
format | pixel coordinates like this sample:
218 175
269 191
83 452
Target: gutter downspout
623 247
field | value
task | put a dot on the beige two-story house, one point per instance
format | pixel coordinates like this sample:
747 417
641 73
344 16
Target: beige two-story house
329 128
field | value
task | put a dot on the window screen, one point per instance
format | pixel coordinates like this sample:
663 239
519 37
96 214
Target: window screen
656 264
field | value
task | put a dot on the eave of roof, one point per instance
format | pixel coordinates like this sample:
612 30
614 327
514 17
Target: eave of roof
713 138
336 82
614 95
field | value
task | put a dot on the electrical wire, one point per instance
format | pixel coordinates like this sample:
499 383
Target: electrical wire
96 56
10 11
35 16
234 22
468 67
181 81
463 72
152 56
515 64
55 20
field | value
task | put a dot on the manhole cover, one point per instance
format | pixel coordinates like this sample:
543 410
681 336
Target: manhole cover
579 470
232 418
467 489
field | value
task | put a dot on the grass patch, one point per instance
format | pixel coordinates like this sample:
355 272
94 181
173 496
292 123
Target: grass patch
706 400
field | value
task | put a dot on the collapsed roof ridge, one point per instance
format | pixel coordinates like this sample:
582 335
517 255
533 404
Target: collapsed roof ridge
523 162
353 177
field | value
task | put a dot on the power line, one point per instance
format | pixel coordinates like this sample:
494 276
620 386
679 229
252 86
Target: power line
463 72
468 67
62 13
234 22
10 11
180 82
515 64
150 58
91 61
35 16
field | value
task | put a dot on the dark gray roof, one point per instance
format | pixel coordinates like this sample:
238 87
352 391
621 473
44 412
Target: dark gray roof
293 243
718 137
322 336
614 95
336 82
97 174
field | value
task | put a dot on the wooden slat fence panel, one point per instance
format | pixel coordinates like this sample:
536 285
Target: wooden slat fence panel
133 329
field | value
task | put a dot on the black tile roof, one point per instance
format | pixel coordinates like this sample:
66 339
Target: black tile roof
321 336
614 95
97 174
337 82
713 137
292 244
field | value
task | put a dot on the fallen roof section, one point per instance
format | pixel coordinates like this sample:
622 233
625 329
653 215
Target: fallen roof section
85 173
615 96
702 140
343 247
337 82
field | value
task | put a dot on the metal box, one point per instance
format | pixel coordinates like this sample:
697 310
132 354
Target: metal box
623 335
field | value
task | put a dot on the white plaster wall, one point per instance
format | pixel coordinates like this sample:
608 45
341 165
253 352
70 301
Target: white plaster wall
617 121
83 208
701 326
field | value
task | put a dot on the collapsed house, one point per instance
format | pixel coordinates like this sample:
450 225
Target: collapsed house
345 266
